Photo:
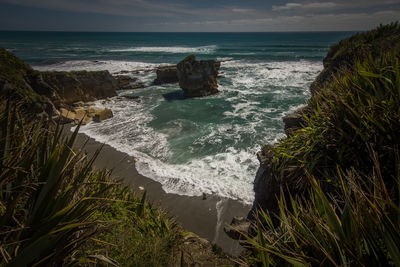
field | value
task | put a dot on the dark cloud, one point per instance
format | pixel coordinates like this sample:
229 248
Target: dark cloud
194 15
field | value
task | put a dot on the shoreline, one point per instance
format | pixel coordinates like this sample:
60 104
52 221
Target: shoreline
204 217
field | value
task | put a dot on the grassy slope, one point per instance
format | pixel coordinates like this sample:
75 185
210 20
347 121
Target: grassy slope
348 112
346 152
15 79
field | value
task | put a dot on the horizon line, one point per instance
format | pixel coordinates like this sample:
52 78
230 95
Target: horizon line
69 31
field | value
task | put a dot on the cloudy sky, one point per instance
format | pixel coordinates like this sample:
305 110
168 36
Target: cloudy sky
196 15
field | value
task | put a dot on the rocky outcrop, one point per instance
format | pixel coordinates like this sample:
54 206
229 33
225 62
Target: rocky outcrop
266 188
84 115
44 92
102 115
70 87
294 121
198 78
166 74
126 82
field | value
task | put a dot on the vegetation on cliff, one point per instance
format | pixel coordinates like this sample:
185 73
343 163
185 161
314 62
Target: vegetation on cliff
337 177
15 83
56 210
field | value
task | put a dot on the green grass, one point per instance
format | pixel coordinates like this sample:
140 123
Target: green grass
15 83
344 55
339 173
55 210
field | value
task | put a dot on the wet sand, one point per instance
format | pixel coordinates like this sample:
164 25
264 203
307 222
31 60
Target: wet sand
204 217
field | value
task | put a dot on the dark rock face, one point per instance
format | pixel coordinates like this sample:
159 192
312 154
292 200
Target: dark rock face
71 87
198 78
266 189
166 74
294 121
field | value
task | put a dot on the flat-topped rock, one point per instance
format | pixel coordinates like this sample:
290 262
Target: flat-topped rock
166 74
198 77
71 87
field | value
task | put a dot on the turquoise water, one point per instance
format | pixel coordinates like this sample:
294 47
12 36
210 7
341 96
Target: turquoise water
198 145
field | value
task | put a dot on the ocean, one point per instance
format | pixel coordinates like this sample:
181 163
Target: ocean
198 145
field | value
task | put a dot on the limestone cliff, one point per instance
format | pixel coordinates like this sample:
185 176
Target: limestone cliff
43 91
198 78
71 87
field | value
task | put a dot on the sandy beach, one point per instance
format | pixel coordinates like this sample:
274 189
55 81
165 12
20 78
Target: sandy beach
204 217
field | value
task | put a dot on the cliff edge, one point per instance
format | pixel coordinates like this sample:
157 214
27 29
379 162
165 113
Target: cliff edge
45 92
352 112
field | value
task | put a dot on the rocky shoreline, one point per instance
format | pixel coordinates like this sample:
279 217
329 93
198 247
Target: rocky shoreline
70 96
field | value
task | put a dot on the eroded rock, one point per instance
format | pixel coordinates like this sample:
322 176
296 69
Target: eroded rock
71 87
102 115
294 121
198 77
84 115
166 74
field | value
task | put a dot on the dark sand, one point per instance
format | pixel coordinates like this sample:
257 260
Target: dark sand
193 213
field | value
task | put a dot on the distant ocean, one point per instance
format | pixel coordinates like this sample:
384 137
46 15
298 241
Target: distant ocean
200 145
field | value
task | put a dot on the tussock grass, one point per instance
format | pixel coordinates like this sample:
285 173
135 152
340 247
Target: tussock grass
55 210
339 173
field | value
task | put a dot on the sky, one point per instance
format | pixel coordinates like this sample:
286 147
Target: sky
196 15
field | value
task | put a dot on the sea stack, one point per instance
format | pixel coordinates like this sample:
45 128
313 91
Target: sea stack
198 77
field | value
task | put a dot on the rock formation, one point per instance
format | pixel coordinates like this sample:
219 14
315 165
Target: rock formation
102 115
45 92
70 87
166 74
294 121
85 114
198 78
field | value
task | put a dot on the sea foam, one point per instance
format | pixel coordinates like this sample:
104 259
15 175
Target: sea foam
221 160
113 66
169 49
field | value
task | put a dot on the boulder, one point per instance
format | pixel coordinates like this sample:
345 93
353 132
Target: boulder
102 115
78 115
166 74
84 115
198 78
